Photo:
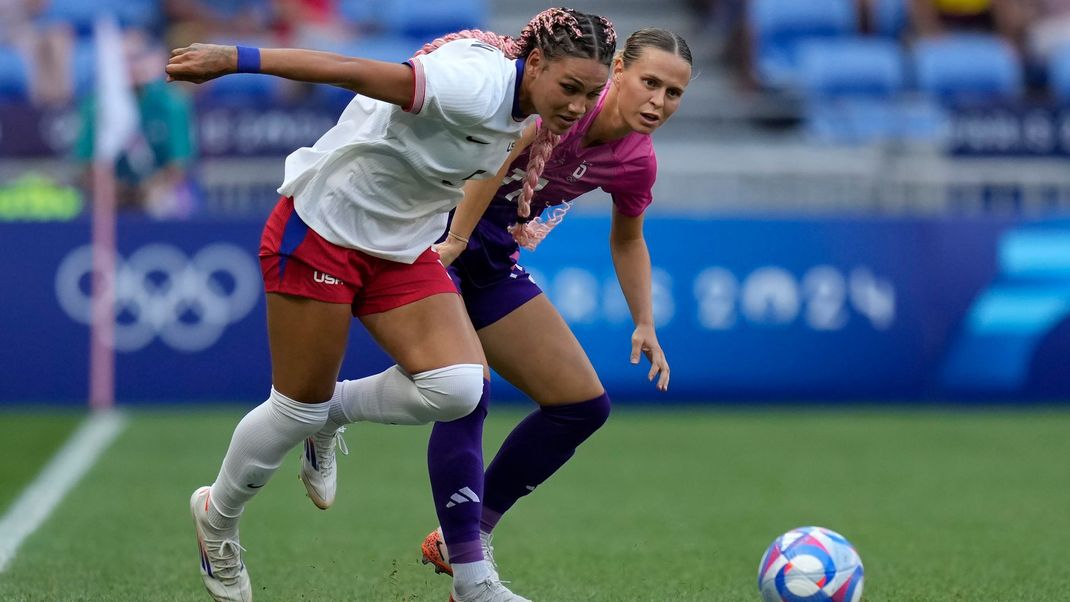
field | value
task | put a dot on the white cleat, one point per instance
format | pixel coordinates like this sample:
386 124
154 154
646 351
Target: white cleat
434 552
490 590
222 569
318 467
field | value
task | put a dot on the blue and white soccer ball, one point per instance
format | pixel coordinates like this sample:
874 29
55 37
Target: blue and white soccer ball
810 564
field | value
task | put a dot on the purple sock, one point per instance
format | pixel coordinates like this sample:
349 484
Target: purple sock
455 464
536 449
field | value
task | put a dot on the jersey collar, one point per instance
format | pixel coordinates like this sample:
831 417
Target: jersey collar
517 114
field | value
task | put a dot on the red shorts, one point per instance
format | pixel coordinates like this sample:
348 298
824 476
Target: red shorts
297 261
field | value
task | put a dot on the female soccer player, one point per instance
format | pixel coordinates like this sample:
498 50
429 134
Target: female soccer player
523 336
351 237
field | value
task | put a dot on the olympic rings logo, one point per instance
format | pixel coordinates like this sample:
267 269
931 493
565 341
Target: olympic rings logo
161 292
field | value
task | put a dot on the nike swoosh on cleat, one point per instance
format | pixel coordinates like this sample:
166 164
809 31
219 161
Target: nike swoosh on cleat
476 140
254 486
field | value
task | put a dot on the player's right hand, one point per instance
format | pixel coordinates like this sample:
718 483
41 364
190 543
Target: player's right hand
199 63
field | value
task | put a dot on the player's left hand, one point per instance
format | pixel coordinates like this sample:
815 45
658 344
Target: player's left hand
199 63
449 250
645 341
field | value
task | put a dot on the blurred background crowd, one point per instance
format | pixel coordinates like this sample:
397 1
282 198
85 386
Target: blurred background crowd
808 106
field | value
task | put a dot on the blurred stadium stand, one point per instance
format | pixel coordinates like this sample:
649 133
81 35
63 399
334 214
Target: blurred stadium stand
843 120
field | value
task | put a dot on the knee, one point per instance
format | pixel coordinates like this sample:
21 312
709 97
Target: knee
601 411
452 392
585 417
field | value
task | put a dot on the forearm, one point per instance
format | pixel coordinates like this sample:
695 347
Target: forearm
389 82
631 260
477 197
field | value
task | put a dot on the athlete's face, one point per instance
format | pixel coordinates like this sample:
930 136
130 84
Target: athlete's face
561 90
650 89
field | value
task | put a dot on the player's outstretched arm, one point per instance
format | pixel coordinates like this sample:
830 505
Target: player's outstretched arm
477 197
389 82
631 260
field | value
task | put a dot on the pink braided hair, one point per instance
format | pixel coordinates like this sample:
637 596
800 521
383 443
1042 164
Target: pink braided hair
538 33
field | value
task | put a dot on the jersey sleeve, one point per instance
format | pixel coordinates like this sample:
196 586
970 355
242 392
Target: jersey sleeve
632 189
462 83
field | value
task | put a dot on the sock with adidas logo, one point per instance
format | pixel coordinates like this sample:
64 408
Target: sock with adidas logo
455 465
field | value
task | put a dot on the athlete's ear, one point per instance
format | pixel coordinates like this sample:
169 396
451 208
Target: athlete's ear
535 62
618 69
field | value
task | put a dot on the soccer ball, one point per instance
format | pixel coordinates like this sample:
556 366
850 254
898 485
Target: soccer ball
810 564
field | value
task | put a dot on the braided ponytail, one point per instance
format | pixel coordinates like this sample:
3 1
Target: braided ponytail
557 32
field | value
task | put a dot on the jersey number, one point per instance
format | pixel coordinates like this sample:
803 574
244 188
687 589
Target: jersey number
518 175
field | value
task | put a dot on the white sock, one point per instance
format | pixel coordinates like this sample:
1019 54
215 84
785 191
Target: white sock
394 397
260 442
467 574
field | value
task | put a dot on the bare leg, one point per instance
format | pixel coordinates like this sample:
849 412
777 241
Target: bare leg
307 340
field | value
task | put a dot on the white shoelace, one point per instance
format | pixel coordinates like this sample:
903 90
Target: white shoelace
325 455
225 558
488 552
497 591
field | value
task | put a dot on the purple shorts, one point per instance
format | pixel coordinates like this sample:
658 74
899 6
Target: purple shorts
488 277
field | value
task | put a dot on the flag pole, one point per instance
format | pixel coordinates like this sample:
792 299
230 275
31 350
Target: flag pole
115 121
102 324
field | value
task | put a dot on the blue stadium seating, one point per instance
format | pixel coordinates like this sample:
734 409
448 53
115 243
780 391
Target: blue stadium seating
417 18
79 14
1059 75
143 14
853 89
778 26
84 66
851 67
392 48
890 17
14 76
968 67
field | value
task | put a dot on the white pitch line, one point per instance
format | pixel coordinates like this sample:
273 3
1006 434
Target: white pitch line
61 474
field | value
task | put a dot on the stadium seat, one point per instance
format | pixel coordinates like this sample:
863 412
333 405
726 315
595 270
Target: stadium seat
890 17
14 76
851 67
778 26
417 18
1059 75
83 66
968 67
395 49
79 14
849 85
391 48
142 14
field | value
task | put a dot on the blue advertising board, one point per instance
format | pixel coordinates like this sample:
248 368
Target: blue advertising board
831 309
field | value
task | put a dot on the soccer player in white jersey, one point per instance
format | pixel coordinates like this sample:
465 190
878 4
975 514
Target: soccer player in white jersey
351 236
523 336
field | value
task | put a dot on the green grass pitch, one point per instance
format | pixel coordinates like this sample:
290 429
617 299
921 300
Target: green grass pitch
668 505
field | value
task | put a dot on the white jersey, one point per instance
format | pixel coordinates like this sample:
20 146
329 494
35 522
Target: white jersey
383 179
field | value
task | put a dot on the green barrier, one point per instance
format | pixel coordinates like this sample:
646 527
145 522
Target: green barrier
34 197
